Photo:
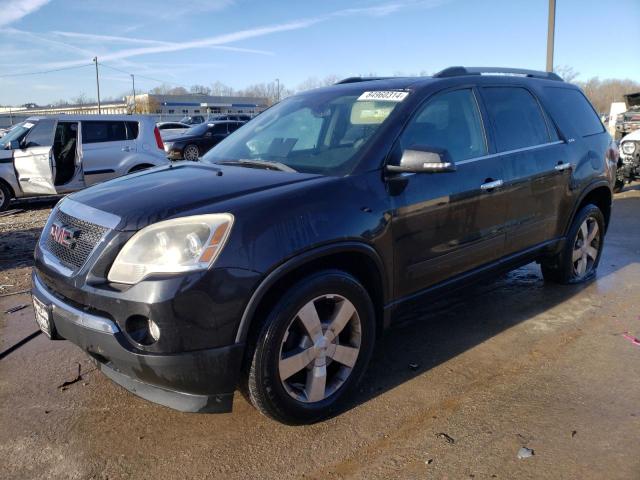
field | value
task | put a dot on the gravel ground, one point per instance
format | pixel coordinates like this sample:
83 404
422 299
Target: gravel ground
456 394
20 228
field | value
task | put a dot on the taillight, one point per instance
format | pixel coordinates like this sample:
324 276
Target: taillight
156 133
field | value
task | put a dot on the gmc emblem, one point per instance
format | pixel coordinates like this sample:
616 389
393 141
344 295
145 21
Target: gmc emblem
64 235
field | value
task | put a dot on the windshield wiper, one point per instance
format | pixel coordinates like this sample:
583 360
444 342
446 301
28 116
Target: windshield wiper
268 165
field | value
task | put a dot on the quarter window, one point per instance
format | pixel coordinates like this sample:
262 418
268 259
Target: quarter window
516 116
451 121
98 132
572 109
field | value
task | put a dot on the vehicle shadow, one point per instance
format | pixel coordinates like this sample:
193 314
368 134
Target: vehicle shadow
437 332
16 248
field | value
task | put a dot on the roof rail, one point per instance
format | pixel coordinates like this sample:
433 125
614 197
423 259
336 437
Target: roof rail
360 79
459 71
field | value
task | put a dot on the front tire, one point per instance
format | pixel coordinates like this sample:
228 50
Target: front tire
313 349
5 197
578 260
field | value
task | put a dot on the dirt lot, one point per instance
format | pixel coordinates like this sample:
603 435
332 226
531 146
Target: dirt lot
511 364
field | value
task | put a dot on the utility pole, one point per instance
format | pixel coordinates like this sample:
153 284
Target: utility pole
95 60
551 34
278 90
133 80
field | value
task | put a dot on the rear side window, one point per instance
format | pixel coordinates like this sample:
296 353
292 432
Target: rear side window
132 130
103 131
449 120
219 128
40 135
571 109
516 116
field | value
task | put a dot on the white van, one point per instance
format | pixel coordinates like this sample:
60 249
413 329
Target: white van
64 153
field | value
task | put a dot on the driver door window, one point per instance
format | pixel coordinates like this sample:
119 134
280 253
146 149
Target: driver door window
450 120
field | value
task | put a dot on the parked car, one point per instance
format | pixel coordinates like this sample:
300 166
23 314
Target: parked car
274 263
239 117
172 126
629 164
64 153
629 121
197 140
192 120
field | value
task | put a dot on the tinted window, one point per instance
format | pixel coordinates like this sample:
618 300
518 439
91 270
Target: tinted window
516 117
40 135
450 120
233 127
132 130
220 128
97 132
570 108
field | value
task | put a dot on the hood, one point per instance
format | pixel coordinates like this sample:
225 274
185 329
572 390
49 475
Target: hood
632 99
635 135
164 192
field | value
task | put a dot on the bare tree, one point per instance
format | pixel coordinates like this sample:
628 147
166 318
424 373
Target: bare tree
603 93
220 89
200 89
567 73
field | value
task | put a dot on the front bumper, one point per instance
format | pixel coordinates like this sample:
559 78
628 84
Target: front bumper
193 381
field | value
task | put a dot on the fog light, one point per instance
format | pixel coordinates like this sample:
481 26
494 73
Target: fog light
142 330
154 330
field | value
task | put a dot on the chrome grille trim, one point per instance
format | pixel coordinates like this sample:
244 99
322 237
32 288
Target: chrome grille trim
94 226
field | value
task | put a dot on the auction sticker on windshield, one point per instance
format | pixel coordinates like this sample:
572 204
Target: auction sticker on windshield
384 96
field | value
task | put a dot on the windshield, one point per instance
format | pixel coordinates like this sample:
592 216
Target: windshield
196 130
17 132
313 133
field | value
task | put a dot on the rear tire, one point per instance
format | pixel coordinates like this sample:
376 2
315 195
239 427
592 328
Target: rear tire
5 197
191 152
578 260
312 349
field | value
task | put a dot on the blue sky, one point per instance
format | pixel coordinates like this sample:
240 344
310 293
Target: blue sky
241 42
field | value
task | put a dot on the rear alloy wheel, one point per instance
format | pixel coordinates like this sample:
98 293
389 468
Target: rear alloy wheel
580 255
191 153
312 349
5 197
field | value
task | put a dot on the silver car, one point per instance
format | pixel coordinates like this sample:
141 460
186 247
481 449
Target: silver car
64 153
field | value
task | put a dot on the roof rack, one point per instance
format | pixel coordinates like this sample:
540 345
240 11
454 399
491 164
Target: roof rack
360 79
459 71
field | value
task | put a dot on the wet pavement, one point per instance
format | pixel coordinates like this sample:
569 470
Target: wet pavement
455 394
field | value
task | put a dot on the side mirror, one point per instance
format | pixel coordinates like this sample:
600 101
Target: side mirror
423 159
14 145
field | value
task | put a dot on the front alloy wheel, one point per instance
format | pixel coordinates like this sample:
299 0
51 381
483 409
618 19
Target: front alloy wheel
312 349
320 348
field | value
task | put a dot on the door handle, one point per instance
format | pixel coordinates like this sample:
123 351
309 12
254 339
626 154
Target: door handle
126 149
491 185
562 166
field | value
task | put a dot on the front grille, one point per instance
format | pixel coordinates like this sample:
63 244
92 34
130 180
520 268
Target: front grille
89 236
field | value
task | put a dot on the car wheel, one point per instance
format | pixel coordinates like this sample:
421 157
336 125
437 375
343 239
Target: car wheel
191 153
312 350
579 258
5 197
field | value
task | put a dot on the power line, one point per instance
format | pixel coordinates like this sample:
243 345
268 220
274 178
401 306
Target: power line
45 71
144 76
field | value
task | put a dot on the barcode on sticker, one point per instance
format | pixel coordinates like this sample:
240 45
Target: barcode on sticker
384 96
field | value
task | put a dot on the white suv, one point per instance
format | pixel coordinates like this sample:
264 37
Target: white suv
64 153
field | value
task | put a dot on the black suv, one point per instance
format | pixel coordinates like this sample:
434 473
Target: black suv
274 263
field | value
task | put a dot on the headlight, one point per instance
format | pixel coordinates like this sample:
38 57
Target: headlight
629 147
174 246
168 146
